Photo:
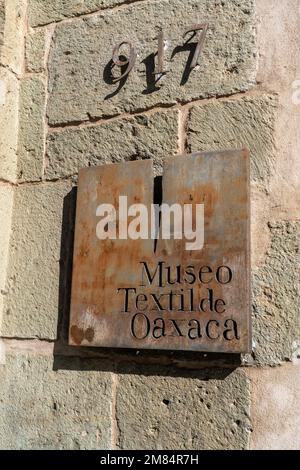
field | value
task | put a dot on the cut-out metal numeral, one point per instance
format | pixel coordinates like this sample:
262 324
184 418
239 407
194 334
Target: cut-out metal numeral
160 55
120 60
123 62
200 31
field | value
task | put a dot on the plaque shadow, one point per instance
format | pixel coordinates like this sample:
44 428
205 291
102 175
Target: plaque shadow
188 364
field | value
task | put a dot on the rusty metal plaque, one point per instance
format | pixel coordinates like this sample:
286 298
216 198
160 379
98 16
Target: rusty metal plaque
164 263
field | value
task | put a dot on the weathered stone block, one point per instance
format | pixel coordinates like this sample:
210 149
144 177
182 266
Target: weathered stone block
31 129
32 291
235 124
210 411
2 23
9 120
12 54
275 407
276 294
45 409
35 50
143 137
80 72
41 12
6 205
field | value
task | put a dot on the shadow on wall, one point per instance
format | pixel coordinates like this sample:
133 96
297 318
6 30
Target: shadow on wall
146 362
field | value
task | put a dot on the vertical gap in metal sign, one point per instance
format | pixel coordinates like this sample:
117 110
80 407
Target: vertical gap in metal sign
157 199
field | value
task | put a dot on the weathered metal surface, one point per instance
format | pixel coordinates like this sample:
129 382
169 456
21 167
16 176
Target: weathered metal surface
160 55
179 299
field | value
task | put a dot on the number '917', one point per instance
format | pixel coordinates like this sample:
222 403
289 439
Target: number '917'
127 62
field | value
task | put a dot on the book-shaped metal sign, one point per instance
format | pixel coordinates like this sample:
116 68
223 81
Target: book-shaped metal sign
163 263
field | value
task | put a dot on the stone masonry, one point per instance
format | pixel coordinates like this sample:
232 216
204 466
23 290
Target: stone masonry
60 111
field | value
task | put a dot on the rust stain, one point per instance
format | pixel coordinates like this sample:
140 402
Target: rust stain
89 334
77 334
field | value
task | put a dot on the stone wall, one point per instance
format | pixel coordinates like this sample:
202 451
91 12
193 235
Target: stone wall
59 112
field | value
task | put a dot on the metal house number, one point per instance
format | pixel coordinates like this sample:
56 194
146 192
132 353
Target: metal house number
198 31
